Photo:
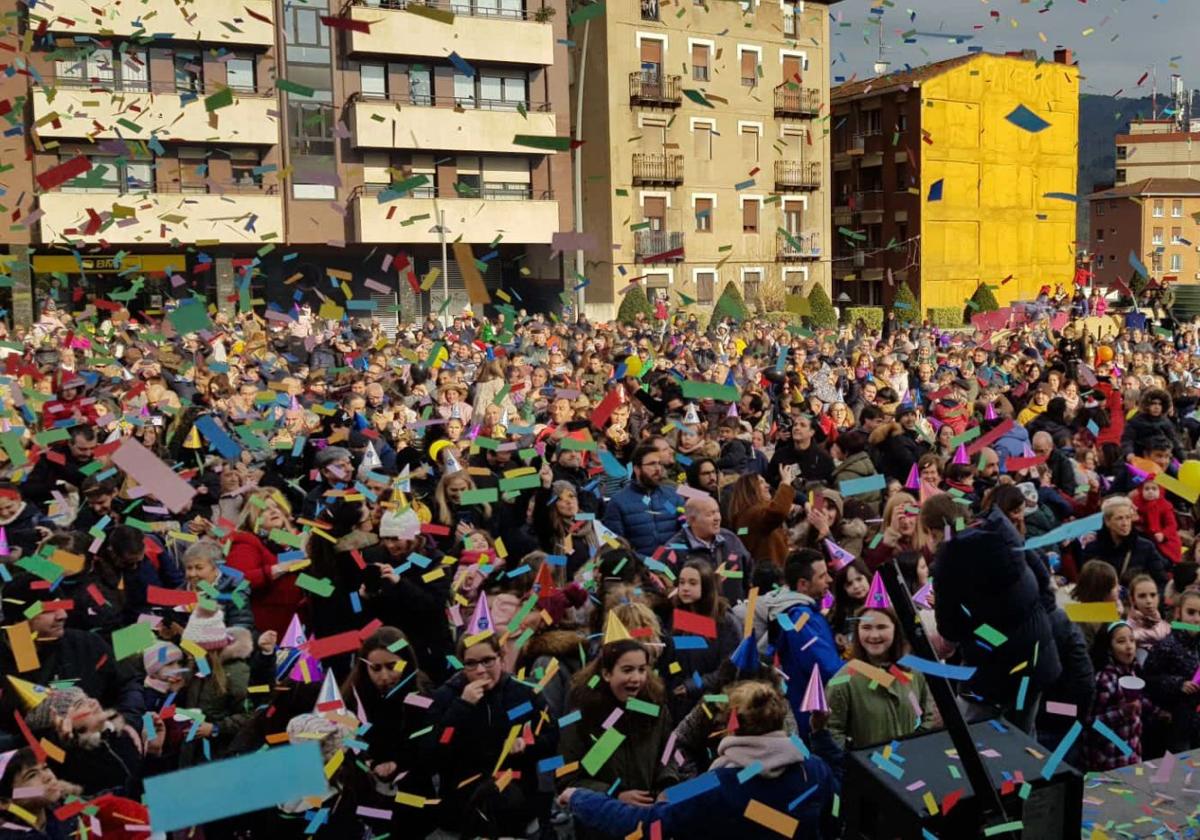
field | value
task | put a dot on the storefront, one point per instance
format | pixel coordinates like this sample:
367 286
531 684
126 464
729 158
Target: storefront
141 282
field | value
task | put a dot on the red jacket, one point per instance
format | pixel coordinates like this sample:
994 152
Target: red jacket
1158 517
273 602
1114 404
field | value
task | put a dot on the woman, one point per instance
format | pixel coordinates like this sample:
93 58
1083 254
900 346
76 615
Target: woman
385 675
862 709
489 383
842 417
556 530
254 551
944 442
339 561
476 710
783 773
634 772
449 511
854 462
202 569
1122 547
697 596
763 516
899 530
1097 583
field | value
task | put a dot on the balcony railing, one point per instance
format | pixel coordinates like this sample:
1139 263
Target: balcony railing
468 103
655 246
797 175
868 200
647 87
96 84
463 9
797 101
489 192
650 169
798 246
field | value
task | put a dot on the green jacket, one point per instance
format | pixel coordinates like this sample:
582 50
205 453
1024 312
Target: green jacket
229 712
861 715
637 762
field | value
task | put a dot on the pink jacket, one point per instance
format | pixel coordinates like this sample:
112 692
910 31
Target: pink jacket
1147 632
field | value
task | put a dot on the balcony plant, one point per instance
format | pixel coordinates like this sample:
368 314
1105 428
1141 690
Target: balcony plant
635 303
544 14
982 301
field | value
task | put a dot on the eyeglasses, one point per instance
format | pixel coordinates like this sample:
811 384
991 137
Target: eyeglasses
486 662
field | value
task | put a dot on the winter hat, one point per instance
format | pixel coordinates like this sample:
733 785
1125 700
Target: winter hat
161 661
208 630
311 726
1029 492
405 525
58 702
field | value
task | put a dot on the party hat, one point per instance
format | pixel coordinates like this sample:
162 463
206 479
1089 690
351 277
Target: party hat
732 412
877 596
404 480
1139 476
304 668
504 419
814 694
936 423
370 461
691 417
544 582
450 464
745 658
192 441
827 601
31 695
913 482
921 596
5 551
481 620
838 555
989 413
603 535
359 710
455 412
330 698
960 455
1027 452
614 630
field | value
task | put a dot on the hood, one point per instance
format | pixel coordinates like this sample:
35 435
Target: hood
834 498
782 600
884 431
774 752
558 643
356 541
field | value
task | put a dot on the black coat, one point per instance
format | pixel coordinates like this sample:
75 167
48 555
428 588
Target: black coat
1141 427
1171 663
1133 555
895 451
43 479
416 606
815 463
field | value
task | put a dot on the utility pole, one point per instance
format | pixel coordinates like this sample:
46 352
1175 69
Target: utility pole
578 162
445 270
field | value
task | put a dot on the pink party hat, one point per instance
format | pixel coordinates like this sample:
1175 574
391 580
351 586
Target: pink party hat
814 694
877 596
481 619
1026 451
840 556
827 602
933 421
990 412
914 479
5 551
960 455
359 711
921 596
306 669
733 412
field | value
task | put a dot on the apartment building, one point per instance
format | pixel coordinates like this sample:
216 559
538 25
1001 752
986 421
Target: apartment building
1155 221
1162 148
249 148
953 174
705 130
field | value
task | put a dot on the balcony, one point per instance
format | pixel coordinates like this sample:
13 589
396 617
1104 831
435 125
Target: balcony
152 108
520 217
650 10
657 170
479 33
798 247
867 201
795 175
793 101
212 21
448 123
249 215
654 90
658 246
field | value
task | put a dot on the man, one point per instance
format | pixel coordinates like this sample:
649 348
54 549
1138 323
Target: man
802 450
896 447
1062 471
702 537
337 470
63 464
66 655
809 641
645 512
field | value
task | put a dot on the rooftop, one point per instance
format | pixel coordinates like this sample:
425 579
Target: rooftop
1152 186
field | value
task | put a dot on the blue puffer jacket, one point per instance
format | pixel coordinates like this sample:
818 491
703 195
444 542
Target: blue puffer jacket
647 520
813 643
1012 443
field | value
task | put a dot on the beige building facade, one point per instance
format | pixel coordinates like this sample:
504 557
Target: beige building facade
1157 149
1156 220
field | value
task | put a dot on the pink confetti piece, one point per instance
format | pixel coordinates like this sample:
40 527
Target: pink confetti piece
414 699
666 756
1065 709
917 785
375 813
376 285
612 719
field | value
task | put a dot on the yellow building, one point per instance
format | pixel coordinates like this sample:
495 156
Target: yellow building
955 174
705 130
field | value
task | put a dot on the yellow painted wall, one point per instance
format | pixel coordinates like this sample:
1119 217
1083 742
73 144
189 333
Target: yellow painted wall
993 219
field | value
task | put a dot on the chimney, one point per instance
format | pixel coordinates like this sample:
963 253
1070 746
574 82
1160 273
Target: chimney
1063 56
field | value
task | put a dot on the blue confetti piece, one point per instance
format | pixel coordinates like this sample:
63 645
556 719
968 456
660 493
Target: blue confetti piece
520 711
565 720
355 603
1120 742
1060 752
796 802
749 772
692 787
691 643
1022 117
935 190
549 765
462 66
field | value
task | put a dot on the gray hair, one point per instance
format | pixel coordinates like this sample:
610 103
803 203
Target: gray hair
1109 506
205 550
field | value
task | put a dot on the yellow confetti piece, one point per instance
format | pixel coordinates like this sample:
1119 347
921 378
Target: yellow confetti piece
334 763
1096 612
1088 31
930 803
508 742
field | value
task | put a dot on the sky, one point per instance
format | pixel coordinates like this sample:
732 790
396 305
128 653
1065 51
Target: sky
1114 41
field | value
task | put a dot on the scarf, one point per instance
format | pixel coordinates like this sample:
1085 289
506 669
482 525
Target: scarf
775 751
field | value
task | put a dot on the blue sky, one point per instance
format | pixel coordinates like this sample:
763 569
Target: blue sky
1115 41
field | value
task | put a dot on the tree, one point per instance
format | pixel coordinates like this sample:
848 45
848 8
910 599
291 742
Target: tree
906 305
635 303
730 304
1137 284
984 300
821 313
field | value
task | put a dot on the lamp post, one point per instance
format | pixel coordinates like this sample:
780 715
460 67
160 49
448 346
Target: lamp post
440 230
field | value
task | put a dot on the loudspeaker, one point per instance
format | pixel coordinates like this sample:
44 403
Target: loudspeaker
918 785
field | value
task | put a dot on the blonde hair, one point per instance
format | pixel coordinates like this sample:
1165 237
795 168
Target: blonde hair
253 511
445 517
759 706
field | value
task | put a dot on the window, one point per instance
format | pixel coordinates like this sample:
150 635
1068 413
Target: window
1158 236
139 176
303 27
244 164
704 211
793 216
135 70
113 175
1122 152
705 283
1176 262
750 209
310 126
751 282
506 177
749 62
239 73
871 122
654 211
189 72
470 176
193 169
502 91
1176 208
1176 236
651 54
700 62
649 9
749 134
702 135
1099 261
1099 208
1120 176
1100 234
902 122
902 183
420 84
789 20
373 79
1158 208
464 90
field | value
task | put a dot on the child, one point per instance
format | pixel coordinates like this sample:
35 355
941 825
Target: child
1169 670
1117 707
1182 576
1148 626
736 454
1156 517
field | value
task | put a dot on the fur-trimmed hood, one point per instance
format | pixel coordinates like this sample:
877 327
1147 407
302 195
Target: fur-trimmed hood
884 431
560 643
356 541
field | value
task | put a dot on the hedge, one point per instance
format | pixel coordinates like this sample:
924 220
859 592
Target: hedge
872 316
635 302
984 300
823 315
775 316
730 304
905 305
945 317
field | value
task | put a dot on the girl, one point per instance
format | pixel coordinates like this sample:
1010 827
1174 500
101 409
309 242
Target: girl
859 714
1097 582
30 794
556 530
449 511
1148 626
696 595
1156 519
850 588
899 532
1117 706
634 773
476 709
1169 670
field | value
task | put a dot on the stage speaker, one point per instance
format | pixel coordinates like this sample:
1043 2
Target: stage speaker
918 786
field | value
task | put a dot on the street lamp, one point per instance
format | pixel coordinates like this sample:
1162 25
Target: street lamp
440 230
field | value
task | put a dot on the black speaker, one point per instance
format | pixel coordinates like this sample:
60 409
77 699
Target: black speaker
888 793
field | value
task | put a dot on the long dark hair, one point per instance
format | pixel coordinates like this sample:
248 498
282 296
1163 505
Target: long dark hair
389 639
596 704
899 642
843 607
711 604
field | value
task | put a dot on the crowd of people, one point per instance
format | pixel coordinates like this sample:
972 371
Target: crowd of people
520 578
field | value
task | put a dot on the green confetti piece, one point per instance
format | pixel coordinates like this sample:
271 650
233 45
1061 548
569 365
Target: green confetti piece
533 141
585 13
521 482
322 587
293 87
697 97
1003 828
480 496
220 99
990 635
127 641
642 707
602 751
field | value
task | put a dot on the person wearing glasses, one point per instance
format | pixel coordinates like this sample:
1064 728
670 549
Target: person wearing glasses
646 511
